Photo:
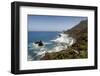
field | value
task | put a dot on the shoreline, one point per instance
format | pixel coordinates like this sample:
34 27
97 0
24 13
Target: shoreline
78 49
58 51
73 44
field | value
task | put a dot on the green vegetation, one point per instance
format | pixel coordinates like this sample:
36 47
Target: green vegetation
64 54
78 49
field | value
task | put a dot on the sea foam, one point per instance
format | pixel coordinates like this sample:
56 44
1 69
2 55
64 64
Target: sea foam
60 43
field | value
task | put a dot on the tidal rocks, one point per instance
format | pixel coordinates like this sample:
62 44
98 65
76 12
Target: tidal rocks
40 43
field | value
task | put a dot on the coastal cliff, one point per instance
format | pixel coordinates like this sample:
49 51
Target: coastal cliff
77 50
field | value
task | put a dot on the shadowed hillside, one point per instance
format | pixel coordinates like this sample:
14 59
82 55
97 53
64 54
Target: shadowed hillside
78 29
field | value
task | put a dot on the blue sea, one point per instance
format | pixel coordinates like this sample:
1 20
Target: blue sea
45 37
41 35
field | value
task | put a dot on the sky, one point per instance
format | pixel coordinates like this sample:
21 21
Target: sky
52 23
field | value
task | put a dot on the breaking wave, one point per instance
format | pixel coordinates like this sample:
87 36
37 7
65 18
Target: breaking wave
61 42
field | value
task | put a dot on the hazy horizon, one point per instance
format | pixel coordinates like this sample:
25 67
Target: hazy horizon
52 23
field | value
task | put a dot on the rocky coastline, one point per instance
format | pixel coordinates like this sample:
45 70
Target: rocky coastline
76 51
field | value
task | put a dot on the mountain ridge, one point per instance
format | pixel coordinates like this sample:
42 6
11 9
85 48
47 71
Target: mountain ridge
77 29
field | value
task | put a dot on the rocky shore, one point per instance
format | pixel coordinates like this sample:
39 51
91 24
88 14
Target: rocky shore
78 49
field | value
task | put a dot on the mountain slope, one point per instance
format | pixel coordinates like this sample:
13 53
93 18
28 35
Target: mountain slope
78 29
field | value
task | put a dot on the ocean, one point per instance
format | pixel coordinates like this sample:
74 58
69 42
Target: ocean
44 36
53 42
